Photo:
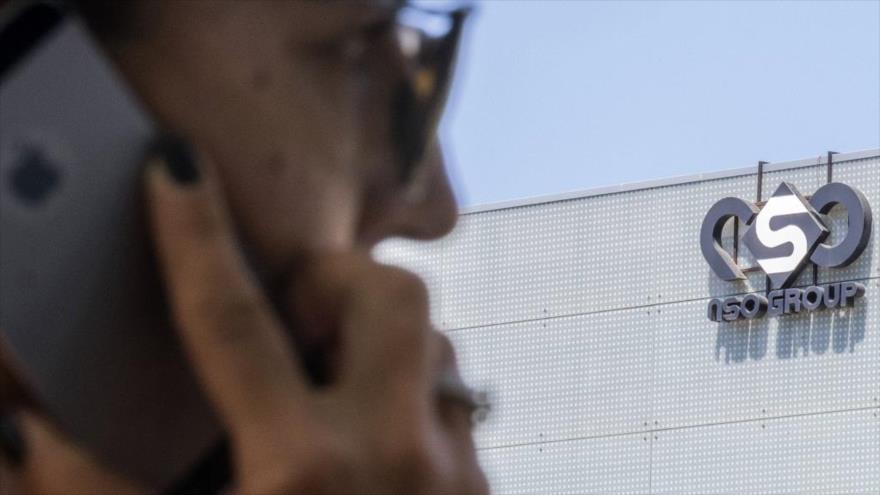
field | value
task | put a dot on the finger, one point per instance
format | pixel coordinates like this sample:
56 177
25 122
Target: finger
381 315
55 459
450 390
456 404
386 330
232 336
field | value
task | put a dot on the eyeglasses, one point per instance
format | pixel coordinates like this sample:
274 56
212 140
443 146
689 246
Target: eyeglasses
428 39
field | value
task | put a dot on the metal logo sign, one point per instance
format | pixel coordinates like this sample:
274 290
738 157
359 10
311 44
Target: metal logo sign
784 236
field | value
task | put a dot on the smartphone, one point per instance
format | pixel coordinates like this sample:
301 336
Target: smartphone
81 304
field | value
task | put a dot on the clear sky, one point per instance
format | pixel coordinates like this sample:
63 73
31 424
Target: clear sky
556 96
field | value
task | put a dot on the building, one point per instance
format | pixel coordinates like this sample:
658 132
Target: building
585 315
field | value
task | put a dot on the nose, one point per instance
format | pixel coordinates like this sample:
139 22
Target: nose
428 210
424 209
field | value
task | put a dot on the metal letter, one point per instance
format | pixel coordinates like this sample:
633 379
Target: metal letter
792 301
813 297
731 308
753 306
710 235
715 309
858 220
776 300
784 235
849 292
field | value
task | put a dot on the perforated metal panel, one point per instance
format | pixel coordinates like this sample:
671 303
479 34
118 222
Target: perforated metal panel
561 378
608 465
824 454
510 273
706 372
587 319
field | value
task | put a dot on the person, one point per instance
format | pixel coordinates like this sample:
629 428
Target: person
308 129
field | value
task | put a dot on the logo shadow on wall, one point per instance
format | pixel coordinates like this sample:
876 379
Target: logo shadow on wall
796 336
800 336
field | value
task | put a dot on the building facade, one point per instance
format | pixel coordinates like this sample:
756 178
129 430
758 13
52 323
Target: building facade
585 316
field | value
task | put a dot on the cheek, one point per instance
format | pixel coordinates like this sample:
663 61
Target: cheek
283 208
288 170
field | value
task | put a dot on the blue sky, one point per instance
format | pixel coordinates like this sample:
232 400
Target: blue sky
556 95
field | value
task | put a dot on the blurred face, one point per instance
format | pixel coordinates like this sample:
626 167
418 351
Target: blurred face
293 102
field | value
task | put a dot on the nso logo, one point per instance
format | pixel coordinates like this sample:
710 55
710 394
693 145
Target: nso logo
784 236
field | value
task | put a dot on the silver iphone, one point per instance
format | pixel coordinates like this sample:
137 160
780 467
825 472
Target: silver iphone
81 305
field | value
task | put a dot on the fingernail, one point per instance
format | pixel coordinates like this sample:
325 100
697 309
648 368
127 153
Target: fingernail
11 440
179 158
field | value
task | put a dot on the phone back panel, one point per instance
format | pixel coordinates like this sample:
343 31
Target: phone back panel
80 302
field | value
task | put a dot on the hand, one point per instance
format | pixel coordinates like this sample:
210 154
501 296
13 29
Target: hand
382 426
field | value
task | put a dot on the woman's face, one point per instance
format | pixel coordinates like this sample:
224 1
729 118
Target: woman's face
292 101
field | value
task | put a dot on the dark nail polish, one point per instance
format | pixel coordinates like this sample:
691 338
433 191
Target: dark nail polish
180 158
11 440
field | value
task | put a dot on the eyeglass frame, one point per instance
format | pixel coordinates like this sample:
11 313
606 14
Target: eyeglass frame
420 98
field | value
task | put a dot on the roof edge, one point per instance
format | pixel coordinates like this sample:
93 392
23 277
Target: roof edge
650 184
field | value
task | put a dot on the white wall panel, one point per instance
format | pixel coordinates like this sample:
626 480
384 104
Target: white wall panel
586 319
561 378
547 260
706 372
608 465
823 454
